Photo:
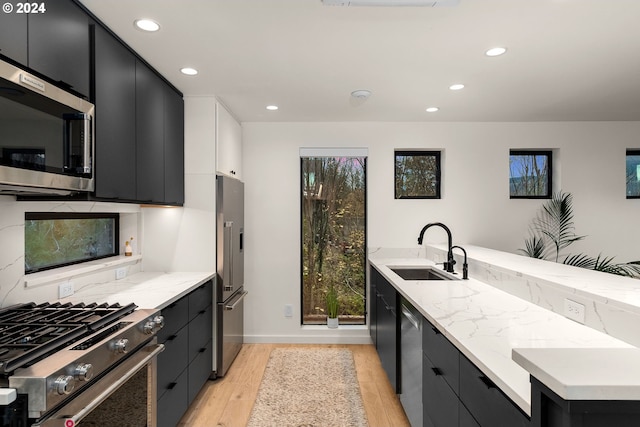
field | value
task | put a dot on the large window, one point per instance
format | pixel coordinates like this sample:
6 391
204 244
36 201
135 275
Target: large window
633 174
417 174
333 237
57 239
530 174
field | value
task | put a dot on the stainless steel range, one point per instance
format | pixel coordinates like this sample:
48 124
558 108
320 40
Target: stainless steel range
66 361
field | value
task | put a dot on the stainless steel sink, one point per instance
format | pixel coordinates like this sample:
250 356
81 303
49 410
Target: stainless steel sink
422 273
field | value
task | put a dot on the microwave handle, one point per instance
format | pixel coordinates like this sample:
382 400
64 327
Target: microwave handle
87 142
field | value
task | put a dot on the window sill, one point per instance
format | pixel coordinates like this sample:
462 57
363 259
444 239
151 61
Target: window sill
66 273
341 327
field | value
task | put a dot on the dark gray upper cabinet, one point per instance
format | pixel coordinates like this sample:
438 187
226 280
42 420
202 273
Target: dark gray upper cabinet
149 135
13 36
173 147
60 46
115 99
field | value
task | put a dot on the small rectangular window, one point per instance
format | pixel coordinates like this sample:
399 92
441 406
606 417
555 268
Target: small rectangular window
530 174
633 174
54 240
417 174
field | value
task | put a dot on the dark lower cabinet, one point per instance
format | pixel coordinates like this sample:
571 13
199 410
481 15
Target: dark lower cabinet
550 410
186 363
374 278
388 331
485 401
466 420
439 401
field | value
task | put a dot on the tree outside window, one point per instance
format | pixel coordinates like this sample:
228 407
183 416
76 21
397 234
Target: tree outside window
529 174
417 174
633 174
333 237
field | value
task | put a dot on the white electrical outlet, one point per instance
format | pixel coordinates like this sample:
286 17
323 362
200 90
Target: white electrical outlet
65 289
121 273
574 310
288 310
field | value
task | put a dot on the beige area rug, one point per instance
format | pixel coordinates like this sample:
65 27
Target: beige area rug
309 388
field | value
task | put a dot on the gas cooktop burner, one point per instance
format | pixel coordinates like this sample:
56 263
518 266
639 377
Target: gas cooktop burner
30 332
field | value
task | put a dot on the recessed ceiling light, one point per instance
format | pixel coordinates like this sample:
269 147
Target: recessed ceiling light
456 86
272 107
496 51
146 25
189 71
432 109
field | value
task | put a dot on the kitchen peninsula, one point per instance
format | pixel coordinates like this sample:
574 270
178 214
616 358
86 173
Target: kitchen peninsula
508 334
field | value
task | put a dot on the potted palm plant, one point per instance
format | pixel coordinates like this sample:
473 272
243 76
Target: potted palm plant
332 308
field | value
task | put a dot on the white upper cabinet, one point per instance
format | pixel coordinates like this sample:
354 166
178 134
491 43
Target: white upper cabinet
228 143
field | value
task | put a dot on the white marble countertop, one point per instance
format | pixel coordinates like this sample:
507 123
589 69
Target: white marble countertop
623 292
146 290
613 374
486 324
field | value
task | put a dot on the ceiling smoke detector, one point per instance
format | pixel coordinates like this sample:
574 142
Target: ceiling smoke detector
361 94
423 3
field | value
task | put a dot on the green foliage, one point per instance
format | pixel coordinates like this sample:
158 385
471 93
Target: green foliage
332 303
333 248
552 230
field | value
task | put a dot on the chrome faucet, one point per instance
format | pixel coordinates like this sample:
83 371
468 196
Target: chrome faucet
465 266
448 266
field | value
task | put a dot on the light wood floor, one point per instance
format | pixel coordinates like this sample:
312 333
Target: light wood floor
228 401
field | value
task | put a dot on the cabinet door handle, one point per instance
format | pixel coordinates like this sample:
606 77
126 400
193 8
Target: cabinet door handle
172 337
171 386
486 381
201 312
436 371
436 331
202 350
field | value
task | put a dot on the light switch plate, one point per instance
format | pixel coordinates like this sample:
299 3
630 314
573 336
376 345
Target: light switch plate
574 310
288 310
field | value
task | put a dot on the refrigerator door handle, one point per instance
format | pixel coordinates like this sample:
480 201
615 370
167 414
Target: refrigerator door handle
228 225
237 301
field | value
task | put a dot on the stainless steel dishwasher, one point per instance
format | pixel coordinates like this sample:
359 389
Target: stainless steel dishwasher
411 363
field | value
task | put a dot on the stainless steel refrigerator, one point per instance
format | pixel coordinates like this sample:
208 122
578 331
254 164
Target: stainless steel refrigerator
230 291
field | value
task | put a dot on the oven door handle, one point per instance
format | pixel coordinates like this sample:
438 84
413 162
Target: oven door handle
62 413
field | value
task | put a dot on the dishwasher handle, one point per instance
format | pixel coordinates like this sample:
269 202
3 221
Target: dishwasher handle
410 317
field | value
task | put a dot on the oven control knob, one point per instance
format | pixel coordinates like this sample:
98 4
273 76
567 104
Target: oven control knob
120 346
83 372
64 384
153 325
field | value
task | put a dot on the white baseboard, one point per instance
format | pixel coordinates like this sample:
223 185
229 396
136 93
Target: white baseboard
308 339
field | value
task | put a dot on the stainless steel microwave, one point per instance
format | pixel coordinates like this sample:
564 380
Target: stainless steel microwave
46 136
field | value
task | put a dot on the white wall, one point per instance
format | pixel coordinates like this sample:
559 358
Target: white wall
475 200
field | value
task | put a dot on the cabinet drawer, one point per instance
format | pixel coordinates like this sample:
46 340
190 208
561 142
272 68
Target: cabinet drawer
439 402
176 316
200 369
173 403
200 331
466 419
173 360
485 401
200 299
444 355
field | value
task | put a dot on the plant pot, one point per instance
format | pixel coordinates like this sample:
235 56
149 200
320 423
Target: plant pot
332 322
